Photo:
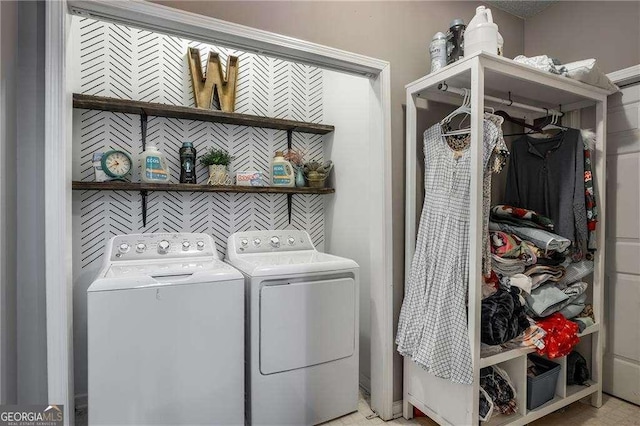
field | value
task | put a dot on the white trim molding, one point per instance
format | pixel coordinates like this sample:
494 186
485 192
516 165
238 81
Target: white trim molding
168 20
57 151
625 77
214 31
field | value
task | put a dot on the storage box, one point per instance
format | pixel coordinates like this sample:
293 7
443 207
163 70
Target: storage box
542 388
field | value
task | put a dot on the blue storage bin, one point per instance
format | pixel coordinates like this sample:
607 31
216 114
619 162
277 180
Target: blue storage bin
542 388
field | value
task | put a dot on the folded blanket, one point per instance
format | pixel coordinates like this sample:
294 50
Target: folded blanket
509 246
574 308
520 217
507 267
539 237
540 274
576 272
548 299
544 63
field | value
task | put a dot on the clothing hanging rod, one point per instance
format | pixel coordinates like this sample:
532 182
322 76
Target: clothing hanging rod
446 88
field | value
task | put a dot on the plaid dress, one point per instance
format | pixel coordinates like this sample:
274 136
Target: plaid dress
432 329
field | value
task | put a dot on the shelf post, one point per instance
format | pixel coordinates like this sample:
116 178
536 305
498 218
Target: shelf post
289 202
475 227
143 199
289 138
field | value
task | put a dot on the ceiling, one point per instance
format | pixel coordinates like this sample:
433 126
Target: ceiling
522 8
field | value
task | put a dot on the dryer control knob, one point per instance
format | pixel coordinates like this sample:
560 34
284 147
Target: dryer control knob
275 242
163 247
141 247
256 242
291 241
244 242
200 245
124 247
185 245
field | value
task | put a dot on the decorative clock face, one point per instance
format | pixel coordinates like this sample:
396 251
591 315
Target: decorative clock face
116 164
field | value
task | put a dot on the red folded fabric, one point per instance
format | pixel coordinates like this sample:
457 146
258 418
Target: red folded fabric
561 338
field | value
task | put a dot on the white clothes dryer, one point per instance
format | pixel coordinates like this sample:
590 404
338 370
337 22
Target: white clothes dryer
302 328
165 334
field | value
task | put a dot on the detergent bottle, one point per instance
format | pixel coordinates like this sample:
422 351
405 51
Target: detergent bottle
481 33
154 166
282 171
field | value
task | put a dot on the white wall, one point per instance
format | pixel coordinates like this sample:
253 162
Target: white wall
31 300
346 106
8 136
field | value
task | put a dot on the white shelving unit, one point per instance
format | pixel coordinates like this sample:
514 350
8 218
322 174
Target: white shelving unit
497 77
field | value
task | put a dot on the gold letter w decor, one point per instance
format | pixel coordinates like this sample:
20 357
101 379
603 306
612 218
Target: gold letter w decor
203 86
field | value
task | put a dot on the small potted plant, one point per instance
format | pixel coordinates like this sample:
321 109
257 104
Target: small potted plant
316 173
218 160
295 157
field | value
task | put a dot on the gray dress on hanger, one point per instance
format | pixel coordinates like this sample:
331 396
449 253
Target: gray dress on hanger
432 328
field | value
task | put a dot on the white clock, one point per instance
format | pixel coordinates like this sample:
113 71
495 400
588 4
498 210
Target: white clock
116 164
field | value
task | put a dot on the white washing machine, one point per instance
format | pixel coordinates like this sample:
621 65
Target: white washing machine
166 334
302 328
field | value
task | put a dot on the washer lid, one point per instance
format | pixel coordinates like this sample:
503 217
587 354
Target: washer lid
289 263
154 274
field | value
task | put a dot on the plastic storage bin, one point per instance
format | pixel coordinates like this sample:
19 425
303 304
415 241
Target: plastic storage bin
542 388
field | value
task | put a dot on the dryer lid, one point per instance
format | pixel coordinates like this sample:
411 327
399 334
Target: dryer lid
290 263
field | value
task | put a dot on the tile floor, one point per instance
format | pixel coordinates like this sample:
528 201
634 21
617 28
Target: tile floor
613 412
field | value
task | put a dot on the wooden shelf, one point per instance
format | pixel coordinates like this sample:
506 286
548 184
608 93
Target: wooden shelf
505 355
187 187
174 111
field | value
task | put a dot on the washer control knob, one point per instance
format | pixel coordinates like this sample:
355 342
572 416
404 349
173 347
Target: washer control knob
200 245
244 242
275 242
291 241
141 247
163 247
185 245
256 242
124 247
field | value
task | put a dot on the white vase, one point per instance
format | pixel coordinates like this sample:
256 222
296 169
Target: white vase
218 175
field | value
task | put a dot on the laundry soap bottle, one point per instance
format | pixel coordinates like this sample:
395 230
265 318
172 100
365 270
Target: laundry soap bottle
154 166
481 33
282 171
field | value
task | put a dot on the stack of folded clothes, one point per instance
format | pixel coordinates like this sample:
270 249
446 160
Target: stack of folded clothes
528 258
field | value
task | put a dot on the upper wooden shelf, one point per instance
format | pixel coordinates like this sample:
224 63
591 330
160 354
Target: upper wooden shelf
187 187
162 110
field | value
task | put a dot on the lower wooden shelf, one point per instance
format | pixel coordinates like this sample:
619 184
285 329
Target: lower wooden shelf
188 187
145 188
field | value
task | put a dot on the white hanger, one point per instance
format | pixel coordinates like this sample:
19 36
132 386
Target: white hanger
465 108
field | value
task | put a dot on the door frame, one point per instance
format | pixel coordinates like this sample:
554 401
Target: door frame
622 78
58 108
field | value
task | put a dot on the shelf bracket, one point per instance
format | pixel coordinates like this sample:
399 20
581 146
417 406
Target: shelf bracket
289 140
143 199
143 128
289 201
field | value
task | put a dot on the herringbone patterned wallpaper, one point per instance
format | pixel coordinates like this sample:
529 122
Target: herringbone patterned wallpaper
123 62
